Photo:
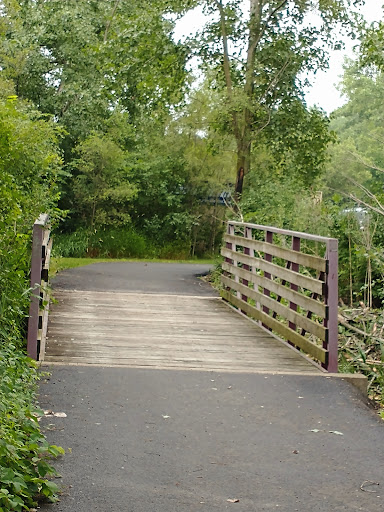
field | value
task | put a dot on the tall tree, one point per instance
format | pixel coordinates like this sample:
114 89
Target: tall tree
80 61
357 163
261 60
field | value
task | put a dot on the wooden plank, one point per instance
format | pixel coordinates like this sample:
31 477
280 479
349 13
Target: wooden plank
291 315
314 350
169 331
117 361
316 307
279 231
307 260
48 254
306 282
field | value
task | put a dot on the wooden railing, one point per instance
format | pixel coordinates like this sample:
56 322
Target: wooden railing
279 278
38 310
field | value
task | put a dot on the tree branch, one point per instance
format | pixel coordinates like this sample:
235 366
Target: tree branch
364 162
274 81
111 19
265 24
226 63
378 209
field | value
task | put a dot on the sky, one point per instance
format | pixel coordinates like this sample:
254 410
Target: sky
323 91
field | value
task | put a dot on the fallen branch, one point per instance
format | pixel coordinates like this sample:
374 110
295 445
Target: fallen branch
344 322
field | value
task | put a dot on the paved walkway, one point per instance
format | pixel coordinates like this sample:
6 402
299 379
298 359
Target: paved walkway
164 440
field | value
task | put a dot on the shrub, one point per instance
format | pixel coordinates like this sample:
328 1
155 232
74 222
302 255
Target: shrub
24 452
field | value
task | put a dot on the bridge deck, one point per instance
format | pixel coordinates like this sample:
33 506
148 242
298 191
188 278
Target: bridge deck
162 331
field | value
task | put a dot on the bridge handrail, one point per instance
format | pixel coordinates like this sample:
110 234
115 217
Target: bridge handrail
39 302
266 281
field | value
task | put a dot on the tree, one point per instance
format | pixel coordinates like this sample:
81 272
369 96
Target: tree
101 188
260 61
358 159
80 61
371 51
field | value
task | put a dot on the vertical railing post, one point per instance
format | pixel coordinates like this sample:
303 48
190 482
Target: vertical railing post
295 268
34 309
229 245
332 301
268 257
247 234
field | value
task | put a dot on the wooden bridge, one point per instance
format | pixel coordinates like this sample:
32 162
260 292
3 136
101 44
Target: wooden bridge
277 311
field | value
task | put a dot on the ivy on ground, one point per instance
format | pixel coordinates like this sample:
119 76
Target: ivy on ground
24 452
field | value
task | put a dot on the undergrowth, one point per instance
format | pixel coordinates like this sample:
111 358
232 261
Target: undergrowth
361 347
25 468
117 243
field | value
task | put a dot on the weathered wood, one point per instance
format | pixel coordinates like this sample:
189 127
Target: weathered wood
162 331
38 310
284 311
314 350
307 260
309 283
307 303
285 232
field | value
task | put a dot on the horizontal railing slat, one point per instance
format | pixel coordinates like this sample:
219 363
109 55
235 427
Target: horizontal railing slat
48 254
284 232
314 350
306 282
307 303
279 308
307 260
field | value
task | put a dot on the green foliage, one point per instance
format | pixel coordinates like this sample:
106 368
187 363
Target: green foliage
24 452
354 182
372 45
362 347
101 187
29 170
30 166
257 61
359 156
112 242
298 139
283 201
80 61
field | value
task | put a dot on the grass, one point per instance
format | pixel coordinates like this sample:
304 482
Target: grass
58 263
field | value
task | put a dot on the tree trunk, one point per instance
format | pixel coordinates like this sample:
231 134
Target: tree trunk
243 164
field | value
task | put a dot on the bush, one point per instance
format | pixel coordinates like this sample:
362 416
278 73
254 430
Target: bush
24 452
29 165
117 243
108 243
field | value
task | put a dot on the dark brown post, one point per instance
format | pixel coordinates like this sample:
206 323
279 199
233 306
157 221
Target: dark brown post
36 268
332 301
268 257
229 245
295 267
247 234
38 316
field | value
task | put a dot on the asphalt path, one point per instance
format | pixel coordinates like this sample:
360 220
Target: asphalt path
142 440
172 278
